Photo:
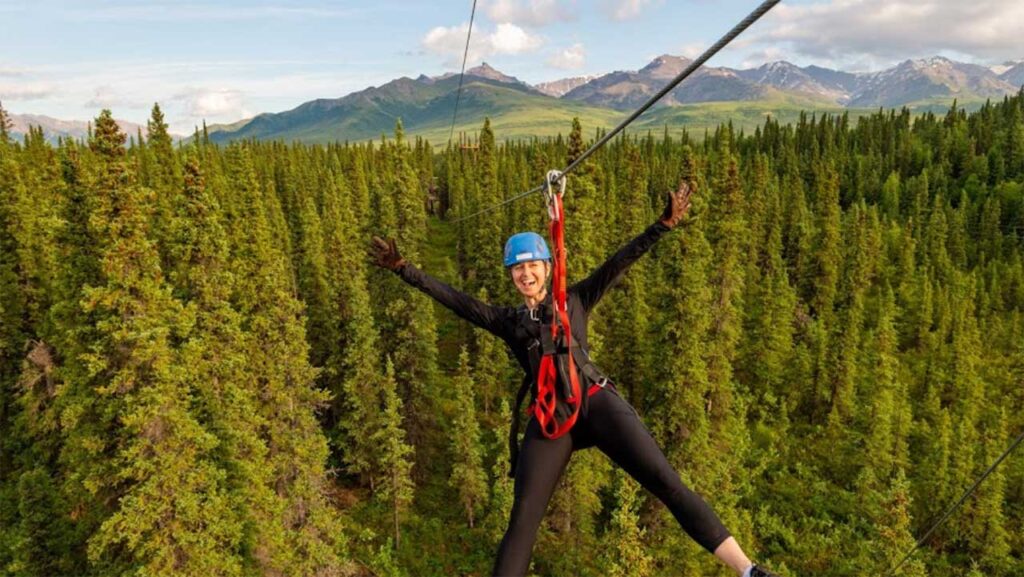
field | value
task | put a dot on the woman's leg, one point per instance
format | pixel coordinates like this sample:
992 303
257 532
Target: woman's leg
541 463
621 435
731 554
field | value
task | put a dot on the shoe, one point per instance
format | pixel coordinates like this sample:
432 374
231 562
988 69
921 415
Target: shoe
757 571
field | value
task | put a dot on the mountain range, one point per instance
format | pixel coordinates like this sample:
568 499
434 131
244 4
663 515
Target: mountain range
55 129
520 110
708 97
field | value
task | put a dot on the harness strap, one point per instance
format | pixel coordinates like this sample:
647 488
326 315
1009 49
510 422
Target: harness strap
513 434
553 365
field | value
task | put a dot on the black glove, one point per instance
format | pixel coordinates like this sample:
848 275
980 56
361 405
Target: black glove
384 253
678 205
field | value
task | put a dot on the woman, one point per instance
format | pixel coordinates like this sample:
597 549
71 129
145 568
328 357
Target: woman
606 420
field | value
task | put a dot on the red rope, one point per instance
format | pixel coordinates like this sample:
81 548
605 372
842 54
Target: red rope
547 377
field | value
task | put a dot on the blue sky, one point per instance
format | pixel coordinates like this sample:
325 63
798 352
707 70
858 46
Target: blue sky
229 59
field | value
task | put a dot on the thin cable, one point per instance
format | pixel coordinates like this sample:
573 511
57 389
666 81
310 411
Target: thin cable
950 510
462 73
694 65
533 190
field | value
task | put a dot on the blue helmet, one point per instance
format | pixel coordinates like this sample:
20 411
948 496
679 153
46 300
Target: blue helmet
524 247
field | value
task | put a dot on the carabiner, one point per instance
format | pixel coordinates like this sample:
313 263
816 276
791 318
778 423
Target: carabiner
554 176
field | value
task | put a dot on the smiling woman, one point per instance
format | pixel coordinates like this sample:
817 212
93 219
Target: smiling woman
575 406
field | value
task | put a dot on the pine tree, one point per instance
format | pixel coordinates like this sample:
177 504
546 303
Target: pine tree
491 365
314 288
487 231
679 417
5 125
501 495
304 533
13 303
583 213
215 356
355 361
768 344
44 542
468 477
828 258
724 406
988 535
624 553
627 316
893 524
396 486
134 447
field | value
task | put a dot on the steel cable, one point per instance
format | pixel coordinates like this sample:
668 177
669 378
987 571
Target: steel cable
693 66
949 511
462 73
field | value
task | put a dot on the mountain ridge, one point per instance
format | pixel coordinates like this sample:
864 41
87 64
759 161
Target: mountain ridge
425 103
56 128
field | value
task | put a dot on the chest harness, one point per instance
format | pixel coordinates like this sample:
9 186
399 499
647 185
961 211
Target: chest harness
555 356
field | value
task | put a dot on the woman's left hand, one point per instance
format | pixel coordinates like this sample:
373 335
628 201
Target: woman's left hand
678 205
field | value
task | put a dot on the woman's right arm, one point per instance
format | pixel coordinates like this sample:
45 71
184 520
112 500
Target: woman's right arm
385 255
479 313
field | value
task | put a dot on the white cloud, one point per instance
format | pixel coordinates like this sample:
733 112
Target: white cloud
22 92
693 50
572 58
511 39
886 30
215 90
505 39
106 96
759 57
532 13
12 72
213 103
626 9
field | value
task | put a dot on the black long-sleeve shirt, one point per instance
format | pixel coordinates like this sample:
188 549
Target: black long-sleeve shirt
507 322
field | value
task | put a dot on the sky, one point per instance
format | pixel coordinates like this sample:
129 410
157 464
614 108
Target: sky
225 60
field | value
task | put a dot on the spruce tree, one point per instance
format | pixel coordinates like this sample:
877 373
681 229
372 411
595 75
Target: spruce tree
354 364
5 125
488 230
501 494
623 551
215 354
893 524
724 406
304 532
396 486
491 365
133 447
467 478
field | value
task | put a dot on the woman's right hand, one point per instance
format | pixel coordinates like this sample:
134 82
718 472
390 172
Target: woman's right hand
384 253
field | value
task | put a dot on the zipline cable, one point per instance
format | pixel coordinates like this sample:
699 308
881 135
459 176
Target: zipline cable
950 510
462 73
693 66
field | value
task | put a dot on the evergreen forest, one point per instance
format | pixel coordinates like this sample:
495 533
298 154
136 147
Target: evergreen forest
201 374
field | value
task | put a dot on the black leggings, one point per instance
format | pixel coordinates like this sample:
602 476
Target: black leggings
614 427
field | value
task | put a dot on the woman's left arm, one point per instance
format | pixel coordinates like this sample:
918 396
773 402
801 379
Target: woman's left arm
591 289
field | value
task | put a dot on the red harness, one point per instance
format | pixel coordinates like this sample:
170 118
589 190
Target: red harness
547 375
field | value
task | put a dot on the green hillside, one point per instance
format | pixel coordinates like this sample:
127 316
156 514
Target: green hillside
743 115
425 110
519 112
515 113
